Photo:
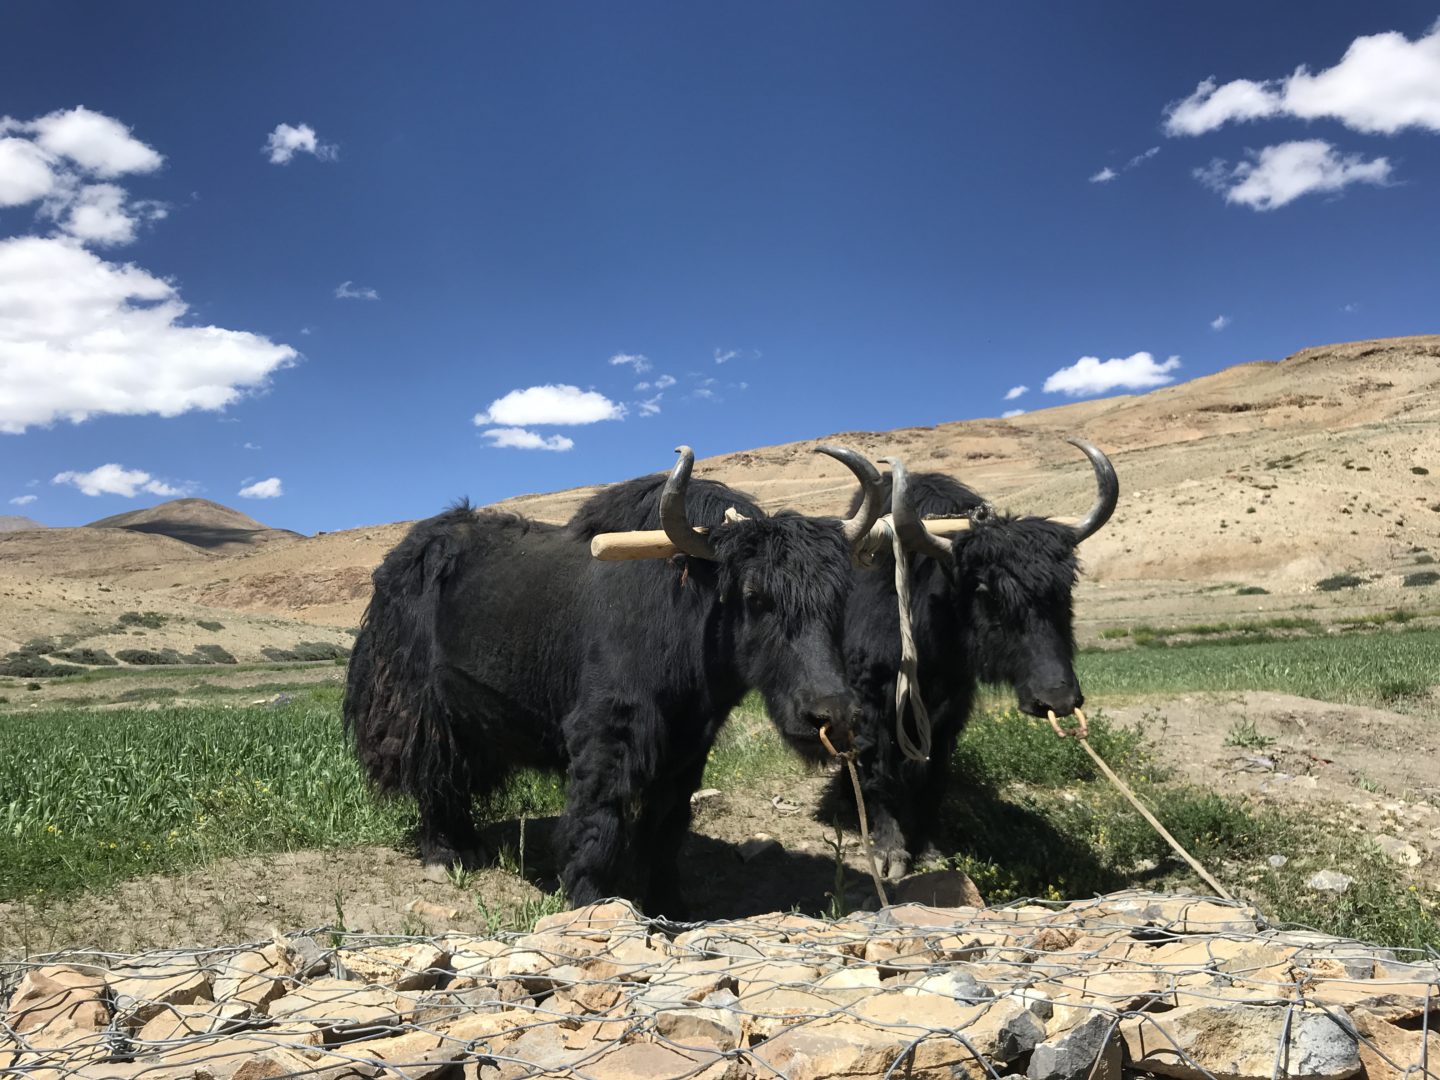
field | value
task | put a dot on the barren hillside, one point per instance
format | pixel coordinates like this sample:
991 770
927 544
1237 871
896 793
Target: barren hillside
1271 474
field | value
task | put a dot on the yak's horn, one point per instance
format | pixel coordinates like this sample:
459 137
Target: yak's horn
1107 496
908 525
872 487
672 509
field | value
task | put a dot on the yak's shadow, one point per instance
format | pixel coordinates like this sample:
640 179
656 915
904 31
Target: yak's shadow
716 881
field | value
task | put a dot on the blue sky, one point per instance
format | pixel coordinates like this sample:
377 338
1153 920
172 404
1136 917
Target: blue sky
317 252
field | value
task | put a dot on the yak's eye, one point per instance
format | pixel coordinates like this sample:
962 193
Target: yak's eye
758 602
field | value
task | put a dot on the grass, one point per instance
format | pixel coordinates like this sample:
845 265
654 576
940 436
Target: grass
1371 669
88 799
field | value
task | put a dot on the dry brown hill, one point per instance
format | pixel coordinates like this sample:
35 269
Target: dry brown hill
13 523
200 522
1274 474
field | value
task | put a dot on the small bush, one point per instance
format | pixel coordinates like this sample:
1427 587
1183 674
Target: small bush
1336 582
1424 560
1421 577
206 624
149 657
93 657
1112 632
214 654
151 620
1252 590
307 650
1419 470
27 666
37 647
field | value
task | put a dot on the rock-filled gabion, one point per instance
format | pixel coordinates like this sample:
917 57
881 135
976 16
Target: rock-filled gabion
1132 982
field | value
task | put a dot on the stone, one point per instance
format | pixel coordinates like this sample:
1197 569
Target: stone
652 1061
341 1010
306 957
1241 1042
254 976
596 921
143 991
58 996
938 888
470 957
848 1048
1403 853
419 1055
1074 1055
188 1021
850 978
1393 1053
406 967
956 983
1329 881
1387 999
758 846
720 1028
711 942
540 1050
704 795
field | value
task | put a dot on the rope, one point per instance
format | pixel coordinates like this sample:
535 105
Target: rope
907 687
1082 733
849 759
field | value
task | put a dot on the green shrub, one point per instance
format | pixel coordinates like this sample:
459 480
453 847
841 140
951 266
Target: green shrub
1336 582
151 620
93 657
280 656
320 650
1252 590
214 654
37 647
149 657
1421 577
27 666
206 624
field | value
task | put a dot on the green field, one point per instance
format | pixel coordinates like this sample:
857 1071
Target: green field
90 797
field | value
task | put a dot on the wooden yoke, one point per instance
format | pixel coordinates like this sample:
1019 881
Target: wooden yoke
654 544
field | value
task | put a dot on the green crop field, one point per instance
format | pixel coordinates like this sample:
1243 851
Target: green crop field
89 797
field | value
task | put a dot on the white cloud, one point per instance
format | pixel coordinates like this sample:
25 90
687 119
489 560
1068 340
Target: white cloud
97 143
250 446
1140 158
1016 391
85 337
705 394
550 404
285 142
263 489
1219 322
1281 174
725 355
52 161
515 438
638 361
348 290
664 382
1091 375
1011 413
650 406
1383 84
23 500
1350 308
115 479
1104 176
26 172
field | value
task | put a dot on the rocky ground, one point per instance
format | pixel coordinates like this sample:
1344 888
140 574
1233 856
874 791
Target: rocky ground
1127 984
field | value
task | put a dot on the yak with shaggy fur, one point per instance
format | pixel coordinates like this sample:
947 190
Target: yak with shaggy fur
494 643
992 605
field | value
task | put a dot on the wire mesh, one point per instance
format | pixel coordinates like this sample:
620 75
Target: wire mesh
1170 985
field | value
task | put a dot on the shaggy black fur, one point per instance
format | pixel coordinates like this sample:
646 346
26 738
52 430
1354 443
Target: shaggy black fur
494 643
999 613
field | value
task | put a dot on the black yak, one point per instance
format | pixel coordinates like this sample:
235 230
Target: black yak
991 605
493 643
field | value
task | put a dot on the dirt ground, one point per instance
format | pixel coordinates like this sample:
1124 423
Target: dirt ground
1367 771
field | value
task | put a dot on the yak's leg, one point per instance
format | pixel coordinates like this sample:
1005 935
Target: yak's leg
925 794
666 826
448 837
610 776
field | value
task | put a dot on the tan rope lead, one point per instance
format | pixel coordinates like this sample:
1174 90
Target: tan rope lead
849 759
1081 736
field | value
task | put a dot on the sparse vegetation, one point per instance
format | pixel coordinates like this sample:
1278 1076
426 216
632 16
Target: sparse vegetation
149 657
214 654
151 620
31 666
206 624
1420 577
1336 582
306 651
93 657
1252 590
